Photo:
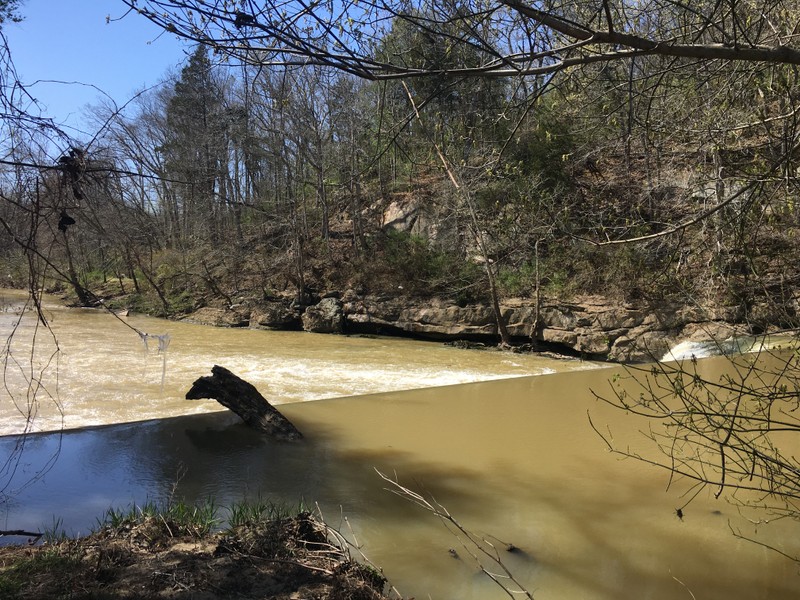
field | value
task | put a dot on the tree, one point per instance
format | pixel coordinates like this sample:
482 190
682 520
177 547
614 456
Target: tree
617 64
195 145
651 86
458 108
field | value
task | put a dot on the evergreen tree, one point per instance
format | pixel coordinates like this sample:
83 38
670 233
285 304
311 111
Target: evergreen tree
195 146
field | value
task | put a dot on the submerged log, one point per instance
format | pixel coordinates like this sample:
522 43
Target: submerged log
244 399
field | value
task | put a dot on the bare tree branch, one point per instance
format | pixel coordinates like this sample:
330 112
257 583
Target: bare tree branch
480 549
345 36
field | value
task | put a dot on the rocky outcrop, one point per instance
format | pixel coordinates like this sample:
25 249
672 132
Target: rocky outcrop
434 319
219 317
325 317
589 326
275 315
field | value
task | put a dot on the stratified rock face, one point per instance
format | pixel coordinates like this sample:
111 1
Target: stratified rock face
590 326
325 317
275 315
434 319
589 329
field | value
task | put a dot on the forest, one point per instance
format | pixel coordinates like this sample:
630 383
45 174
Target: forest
473 152
470 151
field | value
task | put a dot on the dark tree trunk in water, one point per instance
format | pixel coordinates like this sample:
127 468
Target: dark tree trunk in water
244 399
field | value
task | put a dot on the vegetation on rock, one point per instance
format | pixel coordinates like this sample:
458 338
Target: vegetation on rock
243 185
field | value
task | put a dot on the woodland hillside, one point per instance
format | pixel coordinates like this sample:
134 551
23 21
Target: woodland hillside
459 152
646 178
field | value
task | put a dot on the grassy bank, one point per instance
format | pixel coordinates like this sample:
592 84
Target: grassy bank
177 551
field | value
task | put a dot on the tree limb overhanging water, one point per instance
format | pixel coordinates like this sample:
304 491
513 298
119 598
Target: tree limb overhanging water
730 425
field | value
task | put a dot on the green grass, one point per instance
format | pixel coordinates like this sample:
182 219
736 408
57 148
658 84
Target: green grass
173 518
258 511
180 518
57 562
55 533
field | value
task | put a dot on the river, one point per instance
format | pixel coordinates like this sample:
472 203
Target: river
96 369
512 458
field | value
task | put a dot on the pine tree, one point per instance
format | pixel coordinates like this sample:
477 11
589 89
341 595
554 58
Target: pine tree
195 146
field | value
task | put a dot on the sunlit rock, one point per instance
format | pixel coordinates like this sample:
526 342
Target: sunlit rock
325 317
275 315
218 317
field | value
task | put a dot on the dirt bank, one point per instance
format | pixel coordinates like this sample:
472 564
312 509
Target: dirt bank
298 557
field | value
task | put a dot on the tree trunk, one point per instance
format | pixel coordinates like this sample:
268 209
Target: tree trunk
537 318
244 399
80 291
502 330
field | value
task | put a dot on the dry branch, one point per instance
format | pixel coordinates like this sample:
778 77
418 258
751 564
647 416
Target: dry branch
244 399
482 551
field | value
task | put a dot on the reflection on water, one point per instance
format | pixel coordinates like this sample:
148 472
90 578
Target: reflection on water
514 459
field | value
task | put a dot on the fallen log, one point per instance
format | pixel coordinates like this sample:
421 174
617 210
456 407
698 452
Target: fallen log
34 535
244 399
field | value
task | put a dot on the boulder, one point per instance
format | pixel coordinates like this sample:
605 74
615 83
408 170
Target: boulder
275 315
325 317
520 320
218 317
593 343
432 319
641 345
561 337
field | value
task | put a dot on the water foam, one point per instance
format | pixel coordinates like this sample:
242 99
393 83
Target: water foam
729 347
102 375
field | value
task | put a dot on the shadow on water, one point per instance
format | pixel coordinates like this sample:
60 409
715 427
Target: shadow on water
194 457
513 461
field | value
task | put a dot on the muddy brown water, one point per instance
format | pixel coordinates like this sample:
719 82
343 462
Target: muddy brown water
513 459
94 368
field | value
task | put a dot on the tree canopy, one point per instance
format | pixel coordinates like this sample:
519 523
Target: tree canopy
508 37
470 151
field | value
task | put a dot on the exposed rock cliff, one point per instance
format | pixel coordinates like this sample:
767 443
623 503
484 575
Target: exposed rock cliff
591 326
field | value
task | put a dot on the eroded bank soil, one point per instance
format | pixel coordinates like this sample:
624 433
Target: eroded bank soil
282 559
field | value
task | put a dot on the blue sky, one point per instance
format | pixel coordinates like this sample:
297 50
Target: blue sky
70 41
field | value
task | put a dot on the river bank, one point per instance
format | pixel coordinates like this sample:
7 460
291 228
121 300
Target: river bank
588 326
591 327
173 553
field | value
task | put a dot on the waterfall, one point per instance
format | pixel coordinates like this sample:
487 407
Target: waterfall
706 348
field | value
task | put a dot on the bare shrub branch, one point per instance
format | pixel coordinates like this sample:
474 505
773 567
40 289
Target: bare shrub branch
480 549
